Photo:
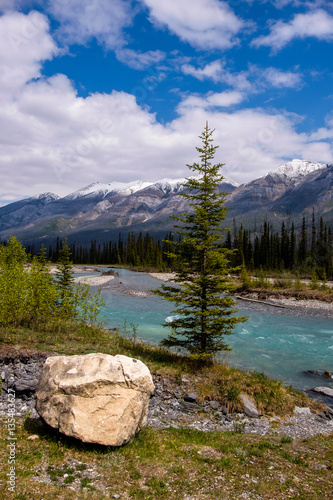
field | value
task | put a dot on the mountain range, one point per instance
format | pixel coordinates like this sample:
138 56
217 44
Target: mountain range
102 211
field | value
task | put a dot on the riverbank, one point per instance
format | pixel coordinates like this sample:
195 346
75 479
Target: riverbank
287 302
289 298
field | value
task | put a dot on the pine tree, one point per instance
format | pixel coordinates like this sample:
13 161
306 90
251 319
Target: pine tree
65 281
203 314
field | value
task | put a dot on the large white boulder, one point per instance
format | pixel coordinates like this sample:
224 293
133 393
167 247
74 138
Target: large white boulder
96 398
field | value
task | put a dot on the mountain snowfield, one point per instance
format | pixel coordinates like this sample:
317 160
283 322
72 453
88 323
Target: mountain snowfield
126 189
291 170
297 168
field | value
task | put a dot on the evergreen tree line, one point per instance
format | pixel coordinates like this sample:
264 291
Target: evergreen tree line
140 251
305 250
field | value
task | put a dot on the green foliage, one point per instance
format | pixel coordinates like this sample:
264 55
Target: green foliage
246 281
314 281
261 281
204 313
31 297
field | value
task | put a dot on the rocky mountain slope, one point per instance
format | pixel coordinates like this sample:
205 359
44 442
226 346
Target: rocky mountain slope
101 211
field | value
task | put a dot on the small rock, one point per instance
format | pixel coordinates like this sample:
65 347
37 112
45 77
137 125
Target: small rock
298 410
191 397
33 437
324 390
250 407
214 404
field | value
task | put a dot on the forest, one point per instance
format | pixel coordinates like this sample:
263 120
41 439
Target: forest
304 251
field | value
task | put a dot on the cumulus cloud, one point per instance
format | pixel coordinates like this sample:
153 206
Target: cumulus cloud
253 140
24 43
205 24
82 20
317 24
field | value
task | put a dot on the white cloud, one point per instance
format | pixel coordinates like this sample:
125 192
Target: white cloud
205 24
317 24
140 60
253 141
282 79
218 72
253 80
212 71
24 43
211 100
82 20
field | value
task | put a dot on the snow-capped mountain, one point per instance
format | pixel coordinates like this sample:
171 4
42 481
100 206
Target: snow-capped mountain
102 190
268 189
46 197
100 211
296 169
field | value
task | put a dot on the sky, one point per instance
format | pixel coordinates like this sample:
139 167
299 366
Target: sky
120 90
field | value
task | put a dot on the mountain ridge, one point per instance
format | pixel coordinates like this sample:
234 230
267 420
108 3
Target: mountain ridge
102 210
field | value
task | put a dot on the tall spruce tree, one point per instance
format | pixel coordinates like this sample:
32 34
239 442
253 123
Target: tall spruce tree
204 314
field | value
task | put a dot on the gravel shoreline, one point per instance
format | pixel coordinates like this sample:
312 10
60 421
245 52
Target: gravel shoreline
169 407
94 280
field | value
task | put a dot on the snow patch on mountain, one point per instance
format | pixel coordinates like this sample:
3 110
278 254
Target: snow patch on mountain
177 185
102 190
98 189
48 197
296 168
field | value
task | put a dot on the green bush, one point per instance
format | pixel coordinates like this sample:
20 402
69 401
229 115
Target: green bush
31 297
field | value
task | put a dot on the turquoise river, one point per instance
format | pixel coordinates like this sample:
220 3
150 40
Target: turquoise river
282 343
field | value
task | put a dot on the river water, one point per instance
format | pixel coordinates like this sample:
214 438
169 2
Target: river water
280 342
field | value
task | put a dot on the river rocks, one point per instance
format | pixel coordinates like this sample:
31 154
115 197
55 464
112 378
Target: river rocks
20 370
96 398
325 374
327 391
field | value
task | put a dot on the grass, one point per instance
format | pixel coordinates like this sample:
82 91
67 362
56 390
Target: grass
170 463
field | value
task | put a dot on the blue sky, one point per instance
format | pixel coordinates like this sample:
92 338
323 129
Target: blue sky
118 90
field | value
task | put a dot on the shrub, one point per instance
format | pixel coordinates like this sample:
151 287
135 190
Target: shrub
31 297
